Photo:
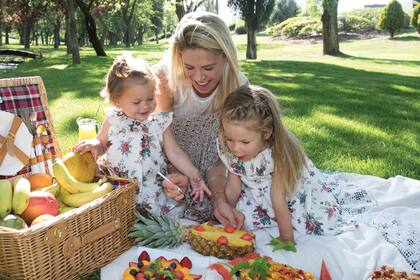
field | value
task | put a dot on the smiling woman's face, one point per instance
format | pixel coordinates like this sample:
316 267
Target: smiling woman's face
204 68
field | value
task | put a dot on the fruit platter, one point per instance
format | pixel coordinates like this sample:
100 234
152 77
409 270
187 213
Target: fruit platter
161 268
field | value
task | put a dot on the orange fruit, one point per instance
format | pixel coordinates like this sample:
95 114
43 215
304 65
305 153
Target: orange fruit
40 180
41 218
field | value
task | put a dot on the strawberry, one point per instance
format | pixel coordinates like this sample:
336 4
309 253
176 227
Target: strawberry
199 228
186 262
247 236
161 258
222 240
144 256
140 276
229 229
179 274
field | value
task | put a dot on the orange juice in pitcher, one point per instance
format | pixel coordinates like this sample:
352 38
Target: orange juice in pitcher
87 128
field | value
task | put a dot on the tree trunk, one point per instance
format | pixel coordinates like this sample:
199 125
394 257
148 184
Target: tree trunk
26 33
72 35
330 29
6 35
179 9
1 23
91 29
251 46
66 34
157 36
127 36
57 33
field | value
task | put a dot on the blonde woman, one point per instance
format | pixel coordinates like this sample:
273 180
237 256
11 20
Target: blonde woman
199 71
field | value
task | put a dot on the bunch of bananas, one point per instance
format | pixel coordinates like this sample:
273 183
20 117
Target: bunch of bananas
75 193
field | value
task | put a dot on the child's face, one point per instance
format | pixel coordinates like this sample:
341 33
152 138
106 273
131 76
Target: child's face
243 142
137 101
204 68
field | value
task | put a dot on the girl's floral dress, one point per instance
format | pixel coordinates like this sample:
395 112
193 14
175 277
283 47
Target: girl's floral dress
135 150
320 204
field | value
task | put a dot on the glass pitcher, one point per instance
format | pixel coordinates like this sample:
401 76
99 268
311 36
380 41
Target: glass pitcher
88 128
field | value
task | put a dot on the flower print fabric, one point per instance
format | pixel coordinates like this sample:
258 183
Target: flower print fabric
135 150
320 204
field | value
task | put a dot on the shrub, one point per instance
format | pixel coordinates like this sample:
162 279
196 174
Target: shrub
232 26
415 17
358 24
310 30
391 18
293 26
371 14
240 27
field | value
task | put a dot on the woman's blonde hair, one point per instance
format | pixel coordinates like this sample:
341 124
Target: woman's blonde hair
259 107
203 30
125 71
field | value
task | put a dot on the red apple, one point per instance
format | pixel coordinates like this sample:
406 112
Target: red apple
40 203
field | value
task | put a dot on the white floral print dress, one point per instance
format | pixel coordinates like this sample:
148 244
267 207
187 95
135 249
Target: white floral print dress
320 205
135 150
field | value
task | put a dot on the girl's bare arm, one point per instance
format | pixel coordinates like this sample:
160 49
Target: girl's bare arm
233 189
96 146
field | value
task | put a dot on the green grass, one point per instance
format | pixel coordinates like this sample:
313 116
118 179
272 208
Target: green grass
358 112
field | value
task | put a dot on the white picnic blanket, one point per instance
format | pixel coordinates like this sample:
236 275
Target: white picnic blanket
388 235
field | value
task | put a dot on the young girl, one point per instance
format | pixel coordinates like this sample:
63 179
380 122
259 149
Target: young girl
269 178
134 139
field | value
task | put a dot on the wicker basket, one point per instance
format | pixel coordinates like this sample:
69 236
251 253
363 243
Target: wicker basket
73 244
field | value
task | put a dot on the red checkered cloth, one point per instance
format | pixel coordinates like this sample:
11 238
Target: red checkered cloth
26 99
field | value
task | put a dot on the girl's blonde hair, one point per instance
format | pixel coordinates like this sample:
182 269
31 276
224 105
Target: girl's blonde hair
203 30
125 71
259 107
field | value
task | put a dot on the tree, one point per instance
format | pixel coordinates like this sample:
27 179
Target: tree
314 8
72 33
91 25
391 18
283 9
330 27
255 13
183 7
157 18
128 8
1 22
415 17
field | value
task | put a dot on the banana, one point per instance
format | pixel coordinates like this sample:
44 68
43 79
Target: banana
69 183
78 199
53 189
21 190
6 195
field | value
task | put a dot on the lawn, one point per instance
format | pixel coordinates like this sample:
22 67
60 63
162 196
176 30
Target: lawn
358 112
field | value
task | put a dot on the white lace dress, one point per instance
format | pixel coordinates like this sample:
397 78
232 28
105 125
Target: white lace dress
135 150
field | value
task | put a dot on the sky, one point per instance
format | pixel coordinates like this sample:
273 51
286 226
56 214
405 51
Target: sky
343 6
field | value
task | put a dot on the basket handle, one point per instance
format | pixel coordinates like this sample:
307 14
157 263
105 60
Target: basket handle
74 243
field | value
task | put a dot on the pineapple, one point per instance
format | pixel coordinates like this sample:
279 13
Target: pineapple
154 230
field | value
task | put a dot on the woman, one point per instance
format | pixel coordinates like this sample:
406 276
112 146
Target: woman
199 71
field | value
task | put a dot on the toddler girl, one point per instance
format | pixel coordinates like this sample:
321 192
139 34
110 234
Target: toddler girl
269 178
135 139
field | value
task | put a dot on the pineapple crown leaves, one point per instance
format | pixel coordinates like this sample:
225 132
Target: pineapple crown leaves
278 244
258 266
155 230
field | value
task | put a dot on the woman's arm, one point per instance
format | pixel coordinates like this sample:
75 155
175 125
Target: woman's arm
164 97
96 146
183 163
281 210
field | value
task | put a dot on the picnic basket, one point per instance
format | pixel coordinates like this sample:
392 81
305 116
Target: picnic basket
73 244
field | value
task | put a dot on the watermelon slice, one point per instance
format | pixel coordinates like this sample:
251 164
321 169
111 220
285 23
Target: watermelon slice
247 257
325 275
222 270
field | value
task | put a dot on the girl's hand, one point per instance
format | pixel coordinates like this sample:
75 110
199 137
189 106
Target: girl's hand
92 145
179 181
226 214
199 188
285 238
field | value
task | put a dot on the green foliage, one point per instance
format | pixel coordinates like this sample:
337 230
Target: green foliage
355 24
415 17
240 27
371 14
258 267
297 27
232 26
278 245
283 9
313 8
391 18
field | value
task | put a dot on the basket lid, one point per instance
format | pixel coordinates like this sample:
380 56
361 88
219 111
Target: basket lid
15 144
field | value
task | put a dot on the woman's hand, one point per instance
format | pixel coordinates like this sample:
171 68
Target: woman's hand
226 213
178 181
92 145
199 188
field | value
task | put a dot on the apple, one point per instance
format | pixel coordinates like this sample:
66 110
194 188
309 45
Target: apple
40 203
